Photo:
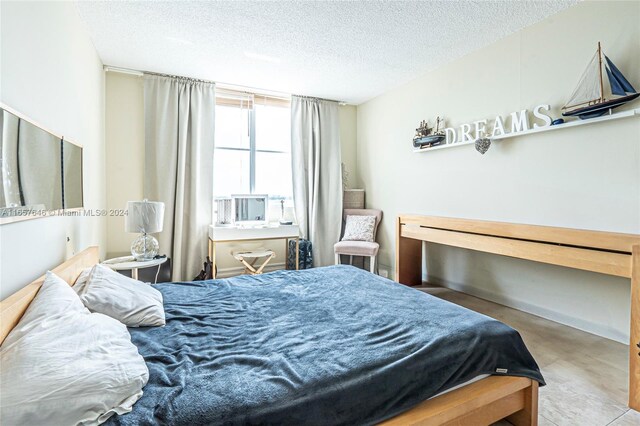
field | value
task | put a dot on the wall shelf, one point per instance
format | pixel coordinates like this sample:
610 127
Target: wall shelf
575 123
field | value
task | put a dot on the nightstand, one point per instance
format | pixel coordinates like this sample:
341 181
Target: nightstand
128 263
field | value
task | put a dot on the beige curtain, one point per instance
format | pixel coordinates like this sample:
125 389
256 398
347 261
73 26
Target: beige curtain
317 174
179 137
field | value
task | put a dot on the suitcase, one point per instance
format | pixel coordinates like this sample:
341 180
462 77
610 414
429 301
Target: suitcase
305 259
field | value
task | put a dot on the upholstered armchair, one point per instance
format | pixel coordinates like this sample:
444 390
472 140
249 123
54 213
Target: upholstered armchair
359 248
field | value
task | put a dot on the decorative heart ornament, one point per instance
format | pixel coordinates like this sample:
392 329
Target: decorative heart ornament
482 145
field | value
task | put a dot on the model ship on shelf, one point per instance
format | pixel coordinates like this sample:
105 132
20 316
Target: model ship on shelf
425 136
592 97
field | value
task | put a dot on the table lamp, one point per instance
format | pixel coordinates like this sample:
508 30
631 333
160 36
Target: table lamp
144 217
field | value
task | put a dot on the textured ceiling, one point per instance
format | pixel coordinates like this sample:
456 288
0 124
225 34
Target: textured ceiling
350 51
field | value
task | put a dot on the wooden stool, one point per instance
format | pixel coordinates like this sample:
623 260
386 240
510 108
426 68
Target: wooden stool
253 256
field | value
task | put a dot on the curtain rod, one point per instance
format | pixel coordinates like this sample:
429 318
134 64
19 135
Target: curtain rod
140 73
341 103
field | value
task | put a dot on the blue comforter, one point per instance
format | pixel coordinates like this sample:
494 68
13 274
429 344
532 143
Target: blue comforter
334 345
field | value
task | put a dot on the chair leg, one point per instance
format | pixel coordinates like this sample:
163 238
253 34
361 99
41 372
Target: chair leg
337 259
249 269
372 264
267 260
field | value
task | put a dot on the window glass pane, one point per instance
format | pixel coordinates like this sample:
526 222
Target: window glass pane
273 174
273 128
232 127
230 172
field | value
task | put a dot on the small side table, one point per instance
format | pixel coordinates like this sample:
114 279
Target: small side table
128 263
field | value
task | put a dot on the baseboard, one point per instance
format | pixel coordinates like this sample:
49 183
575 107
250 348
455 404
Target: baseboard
559 317
239 270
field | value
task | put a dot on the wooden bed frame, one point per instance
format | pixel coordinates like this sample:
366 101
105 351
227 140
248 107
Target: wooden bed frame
480 403
603 252
12 308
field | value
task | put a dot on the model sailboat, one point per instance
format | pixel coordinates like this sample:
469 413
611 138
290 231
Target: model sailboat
425 136
592 97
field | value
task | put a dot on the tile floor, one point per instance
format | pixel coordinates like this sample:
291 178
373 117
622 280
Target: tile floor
586 375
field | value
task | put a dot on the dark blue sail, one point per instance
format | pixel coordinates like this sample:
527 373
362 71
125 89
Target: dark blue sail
619 85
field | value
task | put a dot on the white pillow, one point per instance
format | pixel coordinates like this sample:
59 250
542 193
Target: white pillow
359 228
132 302
62 365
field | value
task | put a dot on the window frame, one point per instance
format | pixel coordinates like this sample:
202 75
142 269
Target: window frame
251 100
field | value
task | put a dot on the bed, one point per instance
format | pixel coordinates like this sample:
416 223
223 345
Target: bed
245 351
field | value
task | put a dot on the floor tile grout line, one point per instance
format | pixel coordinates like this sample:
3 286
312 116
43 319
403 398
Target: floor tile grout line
618 417
550 421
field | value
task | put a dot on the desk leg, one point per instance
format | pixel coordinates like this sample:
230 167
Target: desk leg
134 273
213 259
286 253
297 253
634 354
408 259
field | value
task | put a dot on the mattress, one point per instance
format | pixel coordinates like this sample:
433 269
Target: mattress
334 345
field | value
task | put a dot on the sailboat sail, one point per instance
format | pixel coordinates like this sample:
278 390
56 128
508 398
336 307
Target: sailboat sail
619 84
594 95
588 89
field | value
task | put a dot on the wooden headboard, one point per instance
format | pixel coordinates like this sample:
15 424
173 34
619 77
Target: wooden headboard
13 307
603 252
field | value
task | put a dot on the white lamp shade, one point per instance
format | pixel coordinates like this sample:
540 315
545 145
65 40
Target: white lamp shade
144 216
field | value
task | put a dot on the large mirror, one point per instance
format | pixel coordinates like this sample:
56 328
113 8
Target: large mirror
40 172
250 208
71 175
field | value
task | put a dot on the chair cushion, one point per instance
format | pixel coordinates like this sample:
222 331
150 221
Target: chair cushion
363 212
356 248
359 228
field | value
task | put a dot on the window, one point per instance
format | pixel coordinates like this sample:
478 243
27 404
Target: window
252 145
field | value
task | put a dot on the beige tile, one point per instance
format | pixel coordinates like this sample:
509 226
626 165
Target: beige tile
586 374
630 418
601 379
611 353
543 421
574 397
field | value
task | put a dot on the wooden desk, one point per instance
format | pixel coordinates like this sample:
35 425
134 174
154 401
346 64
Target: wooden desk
232 234
596 251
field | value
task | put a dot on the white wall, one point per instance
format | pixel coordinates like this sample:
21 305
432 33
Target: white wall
51 73
348 117
125 154
586 177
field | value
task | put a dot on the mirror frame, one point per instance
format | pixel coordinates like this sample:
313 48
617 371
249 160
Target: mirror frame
77 211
